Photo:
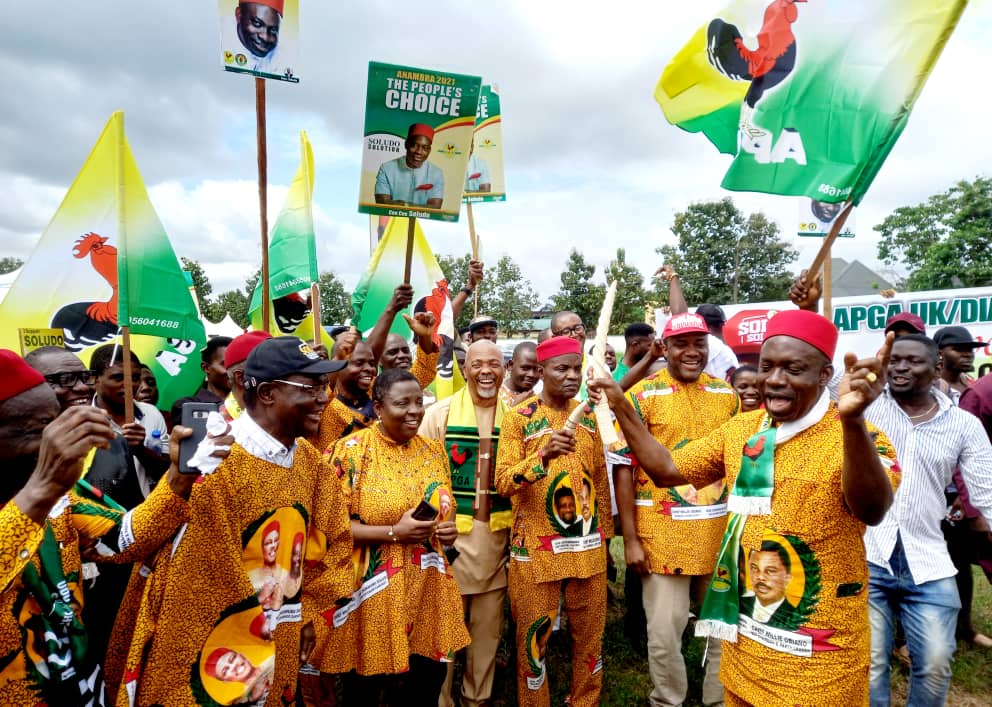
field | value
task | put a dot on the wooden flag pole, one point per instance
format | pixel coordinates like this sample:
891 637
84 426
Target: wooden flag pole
410 230
263 211
828 287
474 239
128 372
315 312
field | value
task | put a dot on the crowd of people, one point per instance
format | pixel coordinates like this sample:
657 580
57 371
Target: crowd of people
343 538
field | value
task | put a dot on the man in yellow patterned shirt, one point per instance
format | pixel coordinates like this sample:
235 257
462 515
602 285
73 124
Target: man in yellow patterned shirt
554 552
672 535
806 477
51 522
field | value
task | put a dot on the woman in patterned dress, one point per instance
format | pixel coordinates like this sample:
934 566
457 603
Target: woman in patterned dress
405 619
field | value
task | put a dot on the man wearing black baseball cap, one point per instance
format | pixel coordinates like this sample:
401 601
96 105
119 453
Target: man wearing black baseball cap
483 327
957 358
228 580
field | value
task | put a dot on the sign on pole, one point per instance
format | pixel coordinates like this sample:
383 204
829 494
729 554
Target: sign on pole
817 217
484 176
418 135
261 38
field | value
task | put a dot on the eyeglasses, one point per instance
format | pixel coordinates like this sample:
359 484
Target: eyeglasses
68 379
313 390
569 330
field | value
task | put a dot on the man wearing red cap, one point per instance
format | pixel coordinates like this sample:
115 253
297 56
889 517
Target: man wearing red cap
553 550
235 356
50 519
255 28
806 476
672 535
411 180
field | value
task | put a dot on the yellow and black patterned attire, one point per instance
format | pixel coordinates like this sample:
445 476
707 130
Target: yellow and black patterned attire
267 540
552 555
43 651
813 647
680 528
406 601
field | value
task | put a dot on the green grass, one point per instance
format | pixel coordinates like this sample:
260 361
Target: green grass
626 680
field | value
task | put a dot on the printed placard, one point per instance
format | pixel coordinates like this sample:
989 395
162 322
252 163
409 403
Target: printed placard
261 38
484 180
816 218
417 139
31 339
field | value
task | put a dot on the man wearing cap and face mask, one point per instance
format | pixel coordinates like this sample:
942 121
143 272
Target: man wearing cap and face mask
50 521
255 30
808 475
468 423
210 590
538 462
672 535
411 180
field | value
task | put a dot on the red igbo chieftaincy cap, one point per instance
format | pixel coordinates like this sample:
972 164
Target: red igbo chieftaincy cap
685 324
907 319
239 348
276 5
557 346
814 329
15 375
420 129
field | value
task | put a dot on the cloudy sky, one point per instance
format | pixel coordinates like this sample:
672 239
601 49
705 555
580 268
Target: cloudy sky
591 162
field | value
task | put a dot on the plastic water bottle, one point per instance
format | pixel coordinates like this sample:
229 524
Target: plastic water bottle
159 442
164 437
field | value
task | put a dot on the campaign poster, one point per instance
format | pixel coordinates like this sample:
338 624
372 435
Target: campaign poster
418 136
484 176
816 218
261 38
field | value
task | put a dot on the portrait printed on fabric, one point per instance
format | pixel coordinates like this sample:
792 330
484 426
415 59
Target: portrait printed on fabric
237 662
273 554
573 512
261 38
537 636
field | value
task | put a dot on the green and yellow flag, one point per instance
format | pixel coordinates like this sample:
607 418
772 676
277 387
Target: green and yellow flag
104 262
430 294
809 97
292 259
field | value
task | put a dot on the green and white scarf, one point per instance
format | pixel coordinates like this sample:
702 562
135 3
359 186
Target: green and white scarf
751 496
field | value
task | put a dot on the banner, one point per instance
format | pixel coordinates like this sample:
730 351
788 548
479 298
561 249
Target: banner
816 218
261 38
105 261
809 97
292 259
430 294
484 175
418 135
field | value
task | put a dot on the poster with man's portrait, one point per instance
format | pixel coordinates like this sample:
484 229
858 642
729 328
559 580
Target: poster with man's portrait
261 38
484 176
417 140
816 218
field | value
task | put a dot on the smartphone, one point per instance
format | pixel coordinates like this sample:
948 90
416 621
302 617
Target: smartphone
194 417
424 511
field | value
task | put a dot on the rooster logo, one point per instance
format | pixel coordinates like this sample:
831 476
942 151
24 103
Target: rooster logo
765 67
755 450
438 303
86 324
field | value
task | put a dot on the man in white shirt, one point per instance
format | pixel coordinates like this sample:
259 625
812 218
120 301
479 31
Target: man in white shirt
912 575
723 360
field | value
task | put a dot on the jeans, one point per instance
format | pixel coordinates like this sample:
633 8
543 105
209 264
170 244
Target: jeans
928 613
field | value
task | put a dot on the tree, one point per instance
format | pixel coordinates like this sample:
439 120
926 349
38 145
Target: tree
631 298
335 303
942 242
9 264
202 287
505 295
723 257
577 293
